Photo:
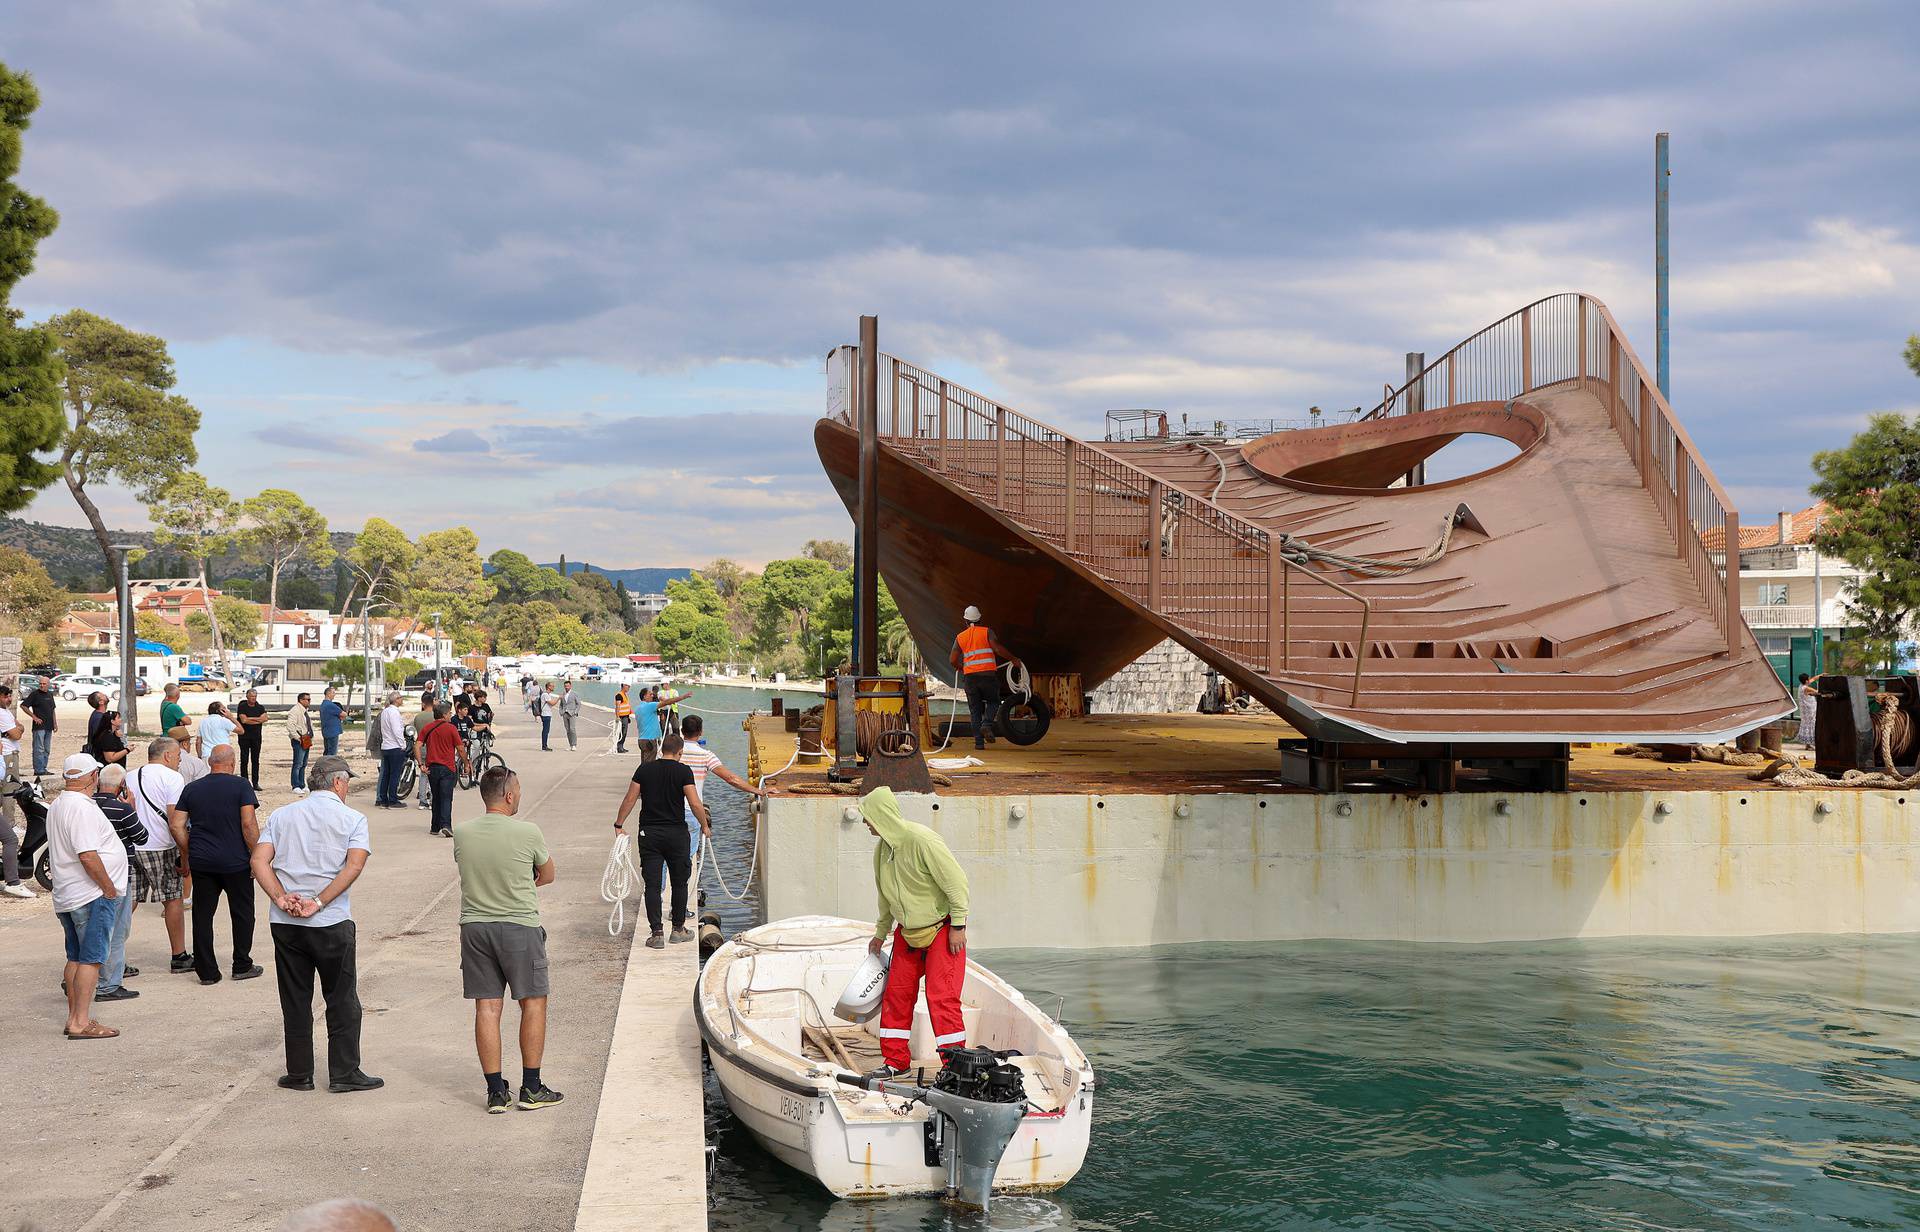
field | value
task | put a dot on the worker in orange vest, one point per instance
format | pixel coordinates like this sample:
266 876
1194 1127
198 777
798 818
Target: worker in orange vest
623 710
977 653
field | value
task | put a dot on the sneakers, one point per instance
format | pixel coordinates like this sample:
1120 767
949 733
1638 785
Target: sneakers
116 994
250 973
181 964
499 1101
14 889
656 942
680 934
531 1100
130 969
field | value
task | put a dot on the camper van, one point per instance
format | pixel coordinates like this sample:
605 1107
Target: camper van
283 675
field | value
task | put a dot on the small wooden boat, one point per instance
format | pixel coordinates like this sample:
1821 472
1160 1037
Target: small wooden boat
765 1003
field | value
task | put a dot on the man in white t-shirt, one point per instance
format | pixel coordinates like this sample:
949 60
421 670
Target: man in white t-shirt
156 788
701 759
11 730
89 866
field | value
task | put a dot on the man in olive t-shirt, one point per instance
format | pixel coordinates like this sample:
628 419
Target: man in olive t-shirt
502 860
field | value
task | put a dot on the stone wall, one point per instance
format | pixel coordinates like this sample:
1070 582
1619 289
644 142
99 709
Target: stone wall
10 663
1167 678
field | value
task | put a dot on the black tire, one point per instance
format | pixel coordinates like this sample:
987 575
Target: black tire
468 776
43 870
487 761
409 775
1023 721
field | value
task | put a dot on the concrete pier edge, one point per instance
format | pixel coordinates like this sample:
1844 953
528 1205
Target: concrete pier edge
646 1168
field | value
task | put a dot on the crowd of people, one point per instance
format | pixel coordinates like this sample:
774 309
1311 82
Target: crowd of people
185 831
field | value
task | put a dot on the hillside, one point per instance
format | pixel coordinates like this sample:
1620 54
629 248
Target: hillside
650 580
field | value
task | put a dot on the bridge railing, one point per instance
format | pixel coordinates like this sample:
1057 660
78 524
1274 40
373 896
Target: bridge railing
1190 562
1571 337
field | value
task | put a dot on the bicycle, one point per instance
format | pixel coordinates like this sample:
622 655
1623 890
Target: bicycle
480 758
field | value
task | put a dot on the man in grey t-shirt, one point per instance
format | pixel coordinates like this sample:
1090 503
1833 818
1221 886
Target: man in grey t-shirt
307 858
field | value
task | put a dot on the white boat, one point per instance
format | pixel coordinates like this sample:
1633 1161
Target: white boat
765 1004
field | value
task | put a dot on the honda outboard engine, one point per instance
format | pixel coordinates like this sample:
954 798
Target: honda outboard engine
976 1104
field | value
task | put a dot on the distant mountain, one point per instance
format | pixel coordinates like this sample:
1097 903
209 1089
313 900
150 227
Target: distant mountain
73 558
649 581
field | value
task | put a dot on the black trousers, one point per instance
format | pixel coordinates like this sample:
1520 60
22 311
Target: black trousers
441 784
983 703
299 954
626 721
250 761
207 889
666 848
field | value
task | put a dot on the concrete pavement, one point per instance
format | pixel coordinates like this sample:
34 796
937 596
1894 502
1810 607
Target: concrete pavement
178 1123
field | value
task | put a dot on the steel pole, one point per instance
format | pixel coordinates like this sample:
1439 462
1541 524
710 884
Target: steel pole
123 595
1416 402
1662 342
866 580
438 683
1819 648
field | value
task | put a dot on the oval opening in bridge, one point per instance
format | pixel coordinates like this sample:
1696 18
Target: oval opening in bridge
1458 444
1469 454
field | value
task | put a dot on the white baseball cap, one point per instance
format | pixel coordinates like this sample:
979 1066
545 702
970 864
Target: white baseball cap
79 766
972 613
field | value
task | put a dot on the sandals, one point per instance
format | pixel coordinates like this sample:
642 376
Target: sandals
93 1031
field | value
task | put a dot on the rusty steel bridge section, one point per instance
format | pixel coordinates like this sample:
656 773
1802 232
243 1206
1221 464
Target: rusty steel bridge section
1573 598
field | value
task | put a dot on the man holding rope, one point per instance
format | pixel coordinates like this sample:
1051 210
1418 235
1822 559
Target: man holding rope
664 787
974 654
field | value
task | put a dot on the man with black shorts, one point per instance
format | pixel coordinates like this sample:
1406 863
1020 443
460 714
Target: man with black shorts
665 789
502 861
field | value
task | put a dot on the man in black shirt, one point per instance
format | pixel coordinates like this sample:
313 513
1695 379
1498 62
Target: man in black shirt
40 704
215 824
665 789
252 717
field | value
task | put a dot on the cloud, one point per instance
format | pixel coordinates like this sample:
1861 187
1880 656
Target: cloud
459 440
292 436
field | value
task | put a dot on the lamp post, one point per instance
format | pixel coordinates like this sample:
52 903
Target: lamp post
123 597
439 685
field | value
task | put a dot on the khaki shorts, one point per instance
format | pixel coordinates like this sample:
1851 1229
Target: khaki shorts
495 955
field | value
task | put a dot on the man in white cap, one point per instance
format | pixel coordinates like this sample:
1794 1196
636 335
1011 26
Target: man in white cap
89 866
974 654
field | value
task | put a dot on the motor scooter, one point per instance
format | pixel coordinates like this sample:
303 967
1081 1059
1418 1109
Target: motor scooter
34 852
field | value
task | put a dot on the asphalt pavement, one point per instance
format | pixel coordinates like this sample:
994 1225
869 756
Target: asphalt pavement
178 1124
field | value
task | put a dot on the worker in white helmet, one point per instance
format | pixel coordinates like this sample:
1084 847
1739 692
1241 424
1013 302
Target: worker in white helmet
977 654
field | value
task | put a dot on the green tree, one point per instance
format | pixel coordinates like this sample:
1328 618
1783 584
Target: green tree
1913 353
789 593
149 627
280 528
30 604
350 670
516 579
1872 490
629 618
834 553
239 623
197 519
122 424
566 635
614 643
517 628
693 627
449 578
382 560
397 670
836 621
30 419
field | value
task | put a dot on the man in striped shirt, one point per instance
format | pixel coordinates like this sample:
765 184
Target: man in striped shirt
701 759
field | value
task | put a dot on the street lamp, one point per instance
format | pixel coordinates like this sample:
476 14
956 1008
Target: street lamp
439 685
123 596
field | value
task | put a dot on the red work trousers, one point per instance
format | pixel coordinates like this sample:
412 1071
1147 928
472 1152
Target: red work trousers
945 973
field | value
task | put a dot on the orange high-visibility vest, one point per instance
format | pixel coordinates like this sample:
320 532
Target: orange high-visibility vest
976 653
622 708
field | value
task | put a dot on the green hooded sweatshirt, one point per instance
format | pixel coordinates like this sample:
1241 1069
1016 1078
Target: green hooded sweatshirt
921 885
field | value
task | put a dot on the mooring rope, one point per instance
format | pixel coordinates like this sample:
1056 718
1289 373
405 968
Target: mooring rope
1301 552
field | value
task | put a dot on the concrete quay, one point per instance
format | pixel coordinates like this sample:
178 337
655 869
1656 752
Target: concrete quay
178 1124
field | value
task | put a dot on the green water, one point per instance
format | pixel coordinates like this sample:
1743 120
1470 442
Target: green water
1705 1085
1569 1085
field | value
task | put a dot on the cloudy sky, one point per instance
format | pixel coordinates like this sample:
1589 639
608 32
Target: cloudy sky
566 272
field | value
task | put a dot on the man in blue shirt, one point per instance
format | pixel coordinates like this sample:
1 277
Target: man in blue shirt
332 719
307 858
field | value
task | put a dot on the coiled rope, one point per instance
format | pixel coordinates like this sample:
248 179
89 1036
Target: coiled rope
618 881
1301 552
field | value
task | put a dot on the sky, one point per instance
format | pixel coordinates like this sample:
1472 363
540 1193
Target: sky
567 272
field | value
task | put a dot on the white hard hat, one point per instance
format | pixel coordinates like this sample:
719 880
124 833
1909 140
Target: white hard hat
971 614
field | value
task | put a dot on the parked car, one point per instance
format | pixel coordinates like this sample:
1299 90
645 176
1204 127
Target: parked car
74 687
454 676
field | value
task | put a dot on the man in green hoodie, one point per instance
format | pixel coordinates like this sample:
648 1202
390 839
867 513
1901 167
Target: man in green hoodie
923 903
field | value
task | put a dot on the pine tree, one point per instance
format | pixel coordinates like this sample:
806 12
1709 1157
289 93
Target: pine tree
30 419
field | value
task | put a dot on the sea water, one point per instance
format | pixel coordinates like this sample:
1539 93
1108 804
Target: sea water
1752 1084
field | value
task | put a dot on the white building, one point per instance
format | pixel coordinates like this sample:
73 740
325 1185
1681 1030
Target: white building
648 606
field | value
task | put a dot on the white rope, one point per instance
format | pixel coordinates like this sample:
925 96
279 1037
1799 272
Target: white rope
753 860
1018 679
618 882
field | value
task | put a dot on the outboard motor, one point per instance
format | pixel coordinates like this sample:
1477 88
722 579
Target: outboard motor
976 1104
